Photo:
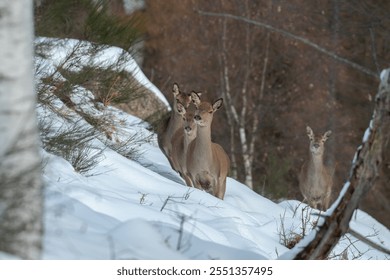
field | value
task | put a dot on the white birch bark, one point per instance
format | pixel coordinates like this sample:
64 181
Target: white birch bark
20 172
230 109
238 120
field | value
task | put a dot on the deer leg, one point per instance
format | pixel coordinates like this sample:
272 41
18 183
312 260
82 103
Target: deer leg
326 202
188 180
220 188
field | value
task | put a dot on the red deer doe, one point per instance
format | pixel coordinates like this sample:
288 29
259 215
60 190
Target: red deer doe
207 162
181 140
173 124
316 179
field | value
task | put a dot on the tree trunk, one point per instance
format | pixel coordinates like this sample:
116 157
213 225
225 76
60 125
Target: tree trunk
364 173
21 199
246 158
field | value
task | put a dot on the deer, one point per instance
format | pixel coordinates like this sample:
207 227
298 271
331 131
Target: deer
173 124
207 162
181 140
316 179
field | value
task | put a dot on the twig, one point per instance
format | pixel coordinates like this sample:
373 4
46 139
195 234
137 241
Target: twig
165 203
183 219
368 242
374 56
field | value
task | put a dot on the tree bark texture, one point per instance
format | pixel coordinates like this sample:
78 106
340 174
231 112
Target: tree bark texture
21 199
365 171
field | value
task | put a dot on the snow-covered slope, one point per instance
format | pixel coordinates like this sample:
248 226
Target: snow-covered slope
141 210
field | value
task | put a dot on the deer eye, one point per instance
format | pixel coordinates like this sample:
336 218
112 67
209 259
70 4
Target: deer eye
210 112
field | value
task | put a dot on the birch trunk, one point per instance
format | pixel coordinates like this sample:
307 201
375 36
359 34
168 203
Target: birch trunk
20 172
236 119
246 158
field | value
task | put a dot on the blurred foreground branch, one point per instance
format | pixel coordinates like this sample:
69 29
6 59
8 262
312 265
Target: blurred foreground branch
364 173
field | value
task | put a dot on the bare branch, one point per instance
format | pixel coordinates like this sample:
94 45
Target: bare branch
374 56
296 38
255 121
265 65
369 242
226 92
244 97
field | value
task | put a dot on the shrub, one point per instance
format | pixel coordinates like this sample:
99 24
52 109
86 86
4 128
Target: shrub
73 143
87 20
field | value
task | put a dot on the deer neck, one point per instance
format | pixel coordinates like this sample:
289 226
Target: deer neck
316 162
187 139
175 122
203 140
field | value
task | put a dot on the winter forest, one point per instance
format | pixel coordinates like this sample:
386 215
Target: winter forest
194 130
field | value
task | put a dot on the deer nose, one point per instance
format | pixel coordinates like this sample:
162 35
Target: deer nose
187 128
316 145
197 118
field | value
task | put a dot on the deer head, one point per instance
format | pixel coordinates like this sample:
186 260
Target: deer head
204 110
188 119
317 142
180 97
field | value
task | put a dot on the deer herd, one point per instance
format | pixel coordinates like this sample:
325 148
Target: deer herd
186 142
185 139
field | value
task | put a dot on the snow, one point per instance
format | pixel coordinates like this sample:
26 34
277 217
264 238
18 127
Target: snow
132 6
384 75
141 209
118 214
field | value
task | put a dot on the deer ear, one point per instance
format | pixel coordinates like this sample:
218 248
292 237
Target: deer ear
309 132
175 89
326 135
195 98
180 108
217 104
